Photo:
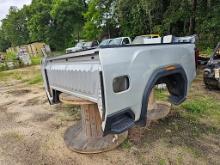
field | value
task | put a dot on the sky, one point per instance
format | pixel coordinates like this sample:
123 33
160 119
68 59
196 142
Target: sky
5 5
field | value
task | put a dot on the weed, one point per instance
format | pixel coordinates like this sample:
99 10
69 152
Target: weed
126 144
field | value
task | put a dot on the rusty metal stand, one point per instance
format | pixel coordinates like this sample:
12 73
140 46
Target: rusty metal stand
86 136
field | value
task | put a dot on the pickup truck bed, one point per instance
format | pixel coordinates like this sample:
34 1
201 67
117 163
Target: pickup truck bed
120 78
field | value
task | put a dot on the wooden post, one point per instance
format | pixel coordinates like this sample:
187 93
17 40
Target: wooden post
87 136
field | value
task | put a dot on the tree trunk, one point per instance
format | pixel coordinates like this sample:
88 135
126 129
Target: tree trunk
78 36
193 18
84 4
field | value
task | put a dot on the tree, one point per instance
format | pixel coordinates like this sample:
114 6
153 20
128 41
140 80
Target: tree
67 20
40 21
4 44
208 23
192 25
60 23
133 18
55 22
141 16
100 19
14 27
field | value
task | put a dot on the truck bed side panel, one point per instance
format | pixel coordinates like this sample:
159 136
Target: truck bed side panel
139 63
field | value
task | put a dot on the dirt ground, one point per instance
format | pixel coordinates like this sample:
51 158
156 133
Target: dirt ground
31 132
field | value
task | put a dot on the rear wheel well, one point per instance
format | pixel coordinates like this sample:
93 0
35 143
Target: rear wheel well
175 84
176 81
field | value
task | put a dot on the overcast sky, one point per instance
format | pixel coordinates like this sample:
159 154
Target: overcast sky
5 5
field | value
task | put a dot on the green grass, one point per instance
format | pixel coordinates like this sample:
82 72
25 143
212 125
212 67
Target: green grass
11 74
3 67
29 75
200 105
11 56
36 60
126 144
161 94
162 162
203 108
208 51
4 75
37 79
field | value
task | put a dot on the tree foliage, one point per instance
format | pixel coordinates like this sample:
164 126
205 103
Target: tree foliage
177 17
4 43
56 22
39 20
60 23
67 20
100 20
14 27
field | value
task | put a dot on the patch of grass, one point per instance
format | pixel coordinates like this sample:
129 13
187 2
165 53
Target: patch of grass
208 51
3 66
17 75
203 110
36 60
14 135
179 160
195 152
69 113
162 162
201 105
5 74
29 75
11 56
64 117
126 144
37 79
161 94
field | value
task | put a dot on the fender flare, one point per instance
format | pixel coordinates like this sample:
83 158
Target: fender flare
155 76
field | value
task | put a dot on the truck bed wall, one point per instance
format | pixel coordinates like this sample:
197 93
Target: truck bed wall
139 63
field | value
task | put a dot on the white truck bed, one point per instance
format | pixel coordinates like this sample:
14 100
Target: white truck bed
120 78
